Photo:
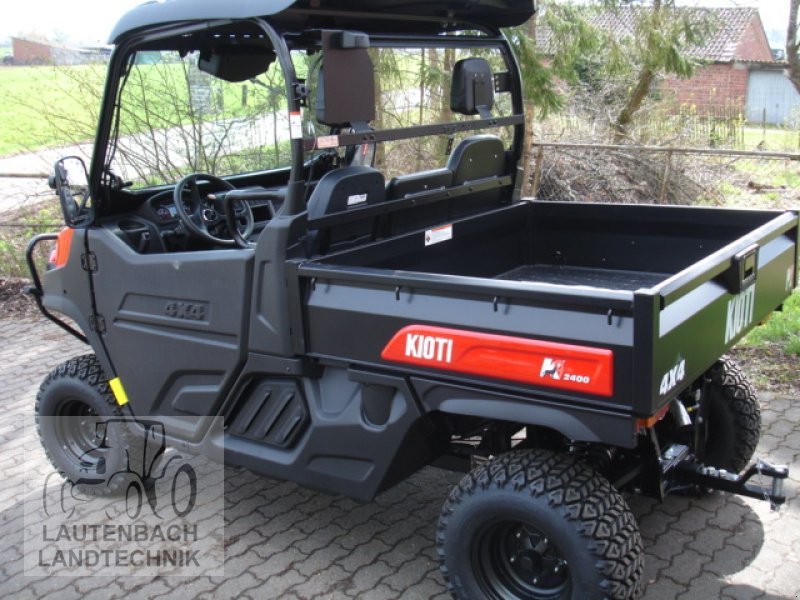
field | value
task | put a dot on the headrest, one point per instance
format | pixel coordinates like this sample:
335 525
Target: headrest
472 91
346 83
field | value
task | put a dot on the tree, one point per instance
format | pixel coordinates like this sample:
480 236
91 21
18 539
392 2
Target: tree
658 43
530 111
661 39
793 45
540 73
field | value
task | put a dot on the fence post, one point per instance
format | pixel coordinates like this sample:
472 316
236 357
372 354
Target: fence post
537 171
662 196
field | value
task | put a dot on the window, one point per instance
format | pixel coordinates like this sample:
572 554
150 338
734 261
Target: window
175 119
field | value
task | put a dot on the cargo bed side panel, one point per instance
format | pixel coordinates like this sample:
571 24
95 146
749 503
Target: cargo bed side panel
355 322
693 331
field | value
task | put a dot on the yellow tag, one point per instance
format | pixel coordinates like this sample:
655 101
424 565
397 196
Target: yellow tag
119 391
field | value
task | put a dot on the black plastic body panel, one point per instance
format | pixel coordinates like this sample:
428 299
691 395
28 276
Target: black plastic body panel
573 421
271 411
389 15
341 450
175 324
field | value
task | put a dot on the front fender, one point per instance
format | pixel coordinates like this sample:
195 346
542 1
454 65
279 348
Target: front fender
66 290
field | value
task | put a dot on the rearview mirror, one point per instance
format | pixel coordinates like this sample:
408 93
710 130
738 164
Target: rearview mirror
236 63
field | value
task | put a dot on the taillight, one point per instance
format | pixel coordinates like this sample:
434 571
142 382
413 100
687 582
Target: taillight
60 254
653 419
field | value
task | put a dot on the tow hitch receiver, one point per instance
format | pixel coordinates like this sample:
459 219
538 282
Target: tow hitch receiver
688 472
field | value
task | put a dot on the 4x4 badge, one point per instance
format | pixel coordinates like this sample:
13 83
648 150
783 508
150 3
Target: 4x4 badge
673 377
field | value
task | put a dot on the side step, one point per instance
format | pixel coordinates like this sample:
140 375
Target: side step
270 411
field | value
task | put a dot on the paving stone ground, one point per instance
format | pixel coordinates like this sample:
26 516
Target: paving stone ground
283 541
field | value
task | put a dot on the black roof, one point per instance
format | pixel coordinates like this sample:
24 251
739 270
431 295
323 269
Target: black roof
424 16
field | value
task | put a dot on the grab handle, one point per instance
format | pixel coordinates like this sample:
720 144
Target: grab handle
743 270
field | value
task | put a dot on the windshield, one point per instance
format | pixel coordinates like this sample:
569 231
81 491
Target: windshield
175 119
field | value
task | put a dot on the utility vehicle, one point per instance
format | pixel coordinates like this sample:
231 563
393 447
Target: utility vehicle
305 218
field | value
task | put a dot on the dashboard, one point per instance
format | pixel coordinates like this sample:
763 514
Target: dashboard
161 208
155 226
166 213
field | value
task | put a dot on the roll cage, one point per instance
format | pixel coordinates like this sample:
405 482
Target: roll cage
300 28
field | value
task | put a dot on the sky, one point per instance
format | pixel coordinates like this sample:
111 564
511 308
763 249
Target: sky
90 21
774 15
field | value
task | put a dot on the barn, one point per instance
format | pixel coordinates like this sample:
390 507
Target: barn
737 75
771 98
31 51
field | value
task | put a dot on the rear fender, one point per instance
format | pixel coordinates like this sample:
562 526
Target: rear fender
574 422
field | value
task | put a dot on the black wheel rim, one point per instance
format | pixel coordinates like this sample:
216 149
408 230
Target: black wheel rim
76 428
514 559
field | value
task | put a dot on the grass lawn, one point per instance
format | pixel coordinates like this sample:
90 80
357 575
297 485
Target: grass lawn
774 139
41 104
771 352
56 106
782 328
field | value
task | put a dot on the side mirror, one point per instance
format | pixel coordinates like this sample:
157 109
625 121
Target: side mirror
70 180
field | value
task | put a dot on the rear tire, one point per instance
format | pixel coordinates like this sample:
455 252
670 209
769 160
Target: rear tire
539 525
734 418
73 399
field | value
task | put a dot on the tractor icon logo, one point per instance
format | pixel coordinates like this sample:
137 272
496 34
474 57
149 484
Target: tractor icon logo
144 465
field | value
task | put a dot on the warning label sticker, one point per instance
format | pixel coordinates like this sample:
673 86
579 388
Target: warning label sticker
439 234
296 125
327 141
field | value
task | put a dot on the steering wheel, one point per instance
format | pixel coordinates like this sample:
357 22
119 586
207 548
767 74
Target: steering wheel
205 217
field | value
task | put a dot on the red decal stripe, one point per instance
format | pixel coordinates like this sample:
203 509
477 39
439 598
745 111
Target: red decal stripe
549 364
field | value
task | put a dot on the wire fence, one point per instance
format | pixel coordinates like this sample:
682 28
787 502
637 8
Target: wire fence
589 114
566 171
665 175
27 207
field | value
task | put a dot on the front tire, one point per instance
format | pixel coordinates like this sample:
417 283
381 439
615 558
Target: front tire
538 525
81 427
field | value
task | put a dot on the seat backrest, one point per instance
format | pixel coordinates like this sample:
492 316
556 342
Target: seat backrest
418 216
413 183
345 189
339 191
477 157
